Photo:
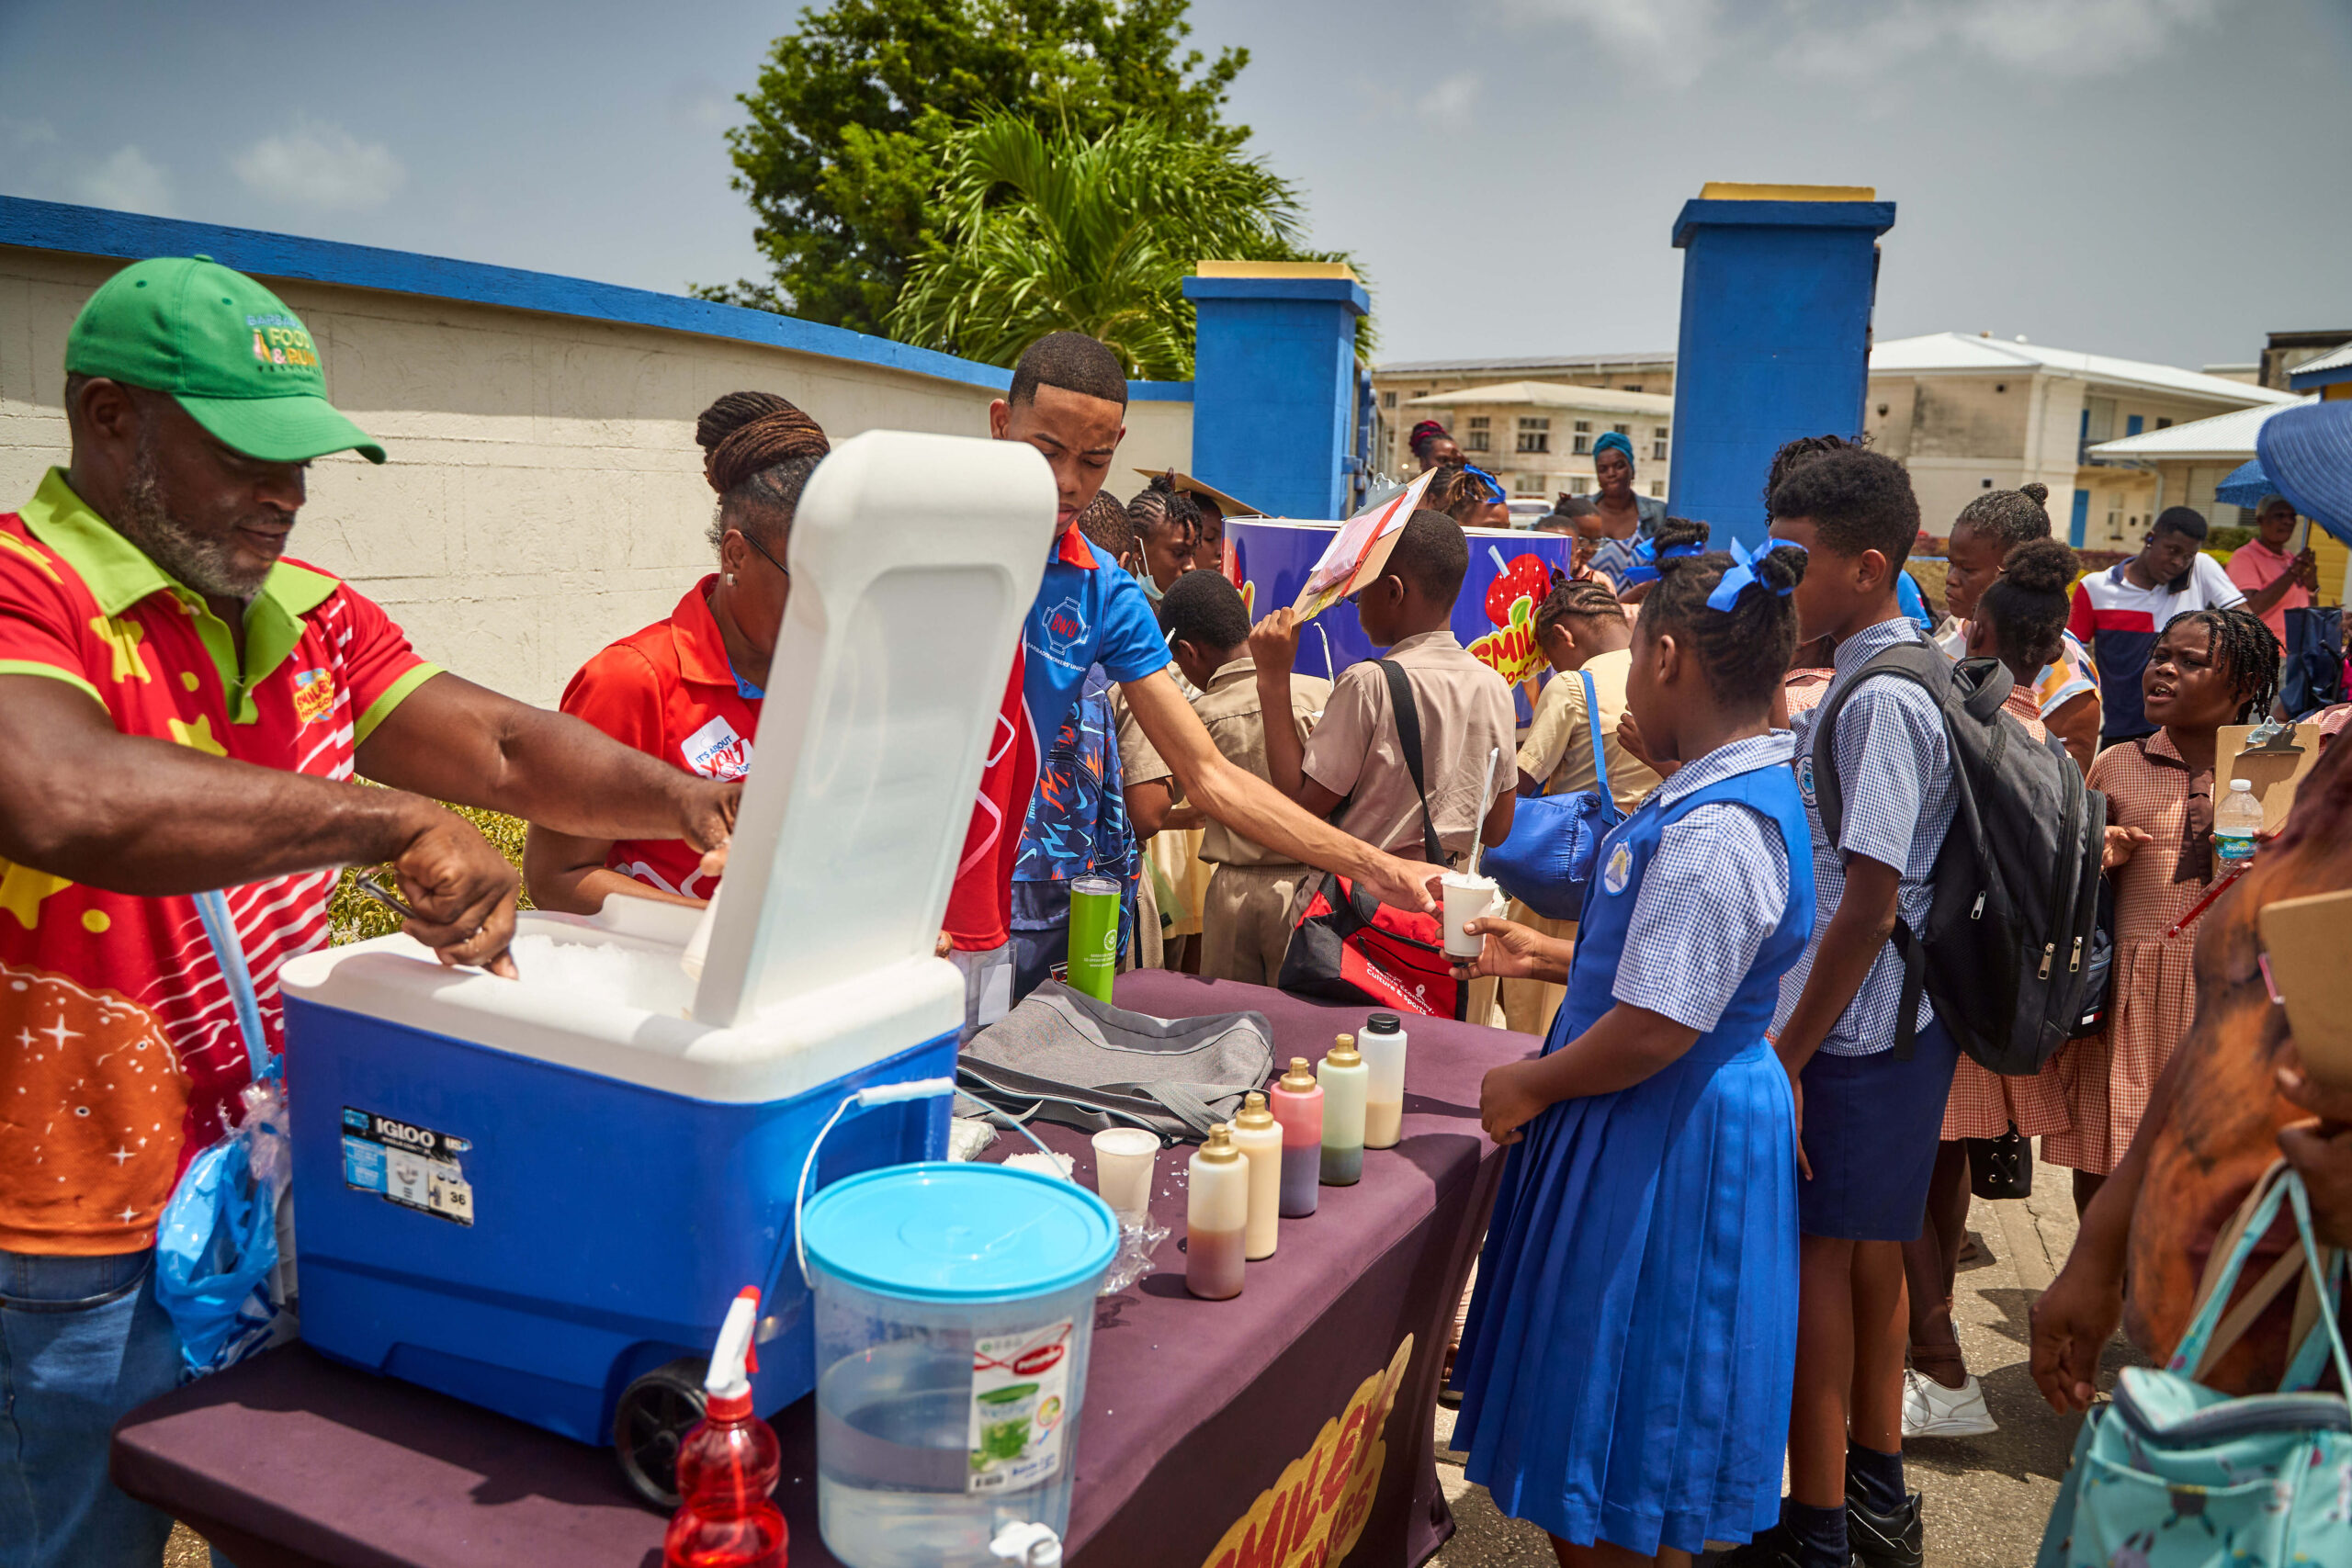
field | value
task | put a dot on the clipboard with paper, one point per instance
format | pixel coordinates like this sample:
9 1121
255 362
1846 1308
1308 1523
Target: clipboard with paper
1357 551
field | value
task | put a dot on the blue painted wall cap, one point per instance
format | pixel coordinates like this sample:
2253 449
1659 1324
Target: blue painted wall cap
1334 291
959 1233
1877 216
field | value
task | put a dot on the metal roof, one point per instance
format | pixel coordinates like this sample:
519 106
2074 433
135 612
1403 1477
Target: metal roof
2226 437
2338 360
1964 352
1664 358
1552 395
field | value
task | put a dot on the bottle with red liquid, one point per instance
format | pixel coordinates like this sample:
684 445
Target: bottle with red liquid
727 1466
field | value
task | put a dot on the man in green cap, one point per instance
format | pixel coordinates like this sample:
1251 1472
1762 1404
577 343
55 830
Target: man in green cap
182 709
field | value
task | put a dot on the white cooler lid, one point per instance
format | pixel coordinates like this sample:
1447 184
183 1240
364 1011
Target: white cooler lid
914 561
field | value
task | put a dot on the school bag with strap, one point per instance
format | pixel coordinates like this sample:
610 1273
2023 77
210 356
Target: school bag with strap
1349 947
2173 1474
1547 861
2009 935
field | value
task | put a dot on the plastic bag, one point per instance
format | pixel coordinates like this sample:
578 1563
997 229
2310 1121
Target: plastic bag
1138 1239
224 1247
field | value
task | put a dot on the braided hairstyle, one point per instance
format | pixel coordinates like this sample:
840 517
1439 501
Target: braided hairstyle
2011 517
2244 647
1104 523
1576 599
1679 532
1159 505
758 450
1743 651
2027 604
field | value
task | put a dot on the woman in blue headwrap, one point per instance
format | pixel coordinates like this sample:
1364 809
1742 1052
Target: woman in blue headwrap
1625 517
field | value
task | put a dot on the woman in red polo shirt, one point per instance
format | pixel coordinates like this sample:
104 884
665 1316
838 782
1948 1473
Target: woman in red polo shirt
687 689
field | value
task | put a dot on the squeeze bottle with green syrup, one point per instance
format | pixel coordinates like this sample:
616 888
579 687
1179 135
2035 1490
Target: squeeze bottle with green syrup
1297 1103
1216 1217
1342 1076
1259 1139
1383 1045
728 1465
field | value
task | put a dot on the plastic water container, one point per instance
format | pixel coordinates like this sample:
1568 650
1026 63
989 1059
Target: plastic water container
955 1308
541 1196
2237 817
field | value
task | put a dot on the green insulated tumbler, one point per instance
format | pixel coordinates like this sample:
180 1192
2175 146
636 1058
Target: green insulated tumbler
1093 935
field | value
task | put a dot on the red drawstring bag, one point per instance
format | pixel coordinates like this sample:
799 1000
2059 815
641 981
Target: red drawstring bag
1347 947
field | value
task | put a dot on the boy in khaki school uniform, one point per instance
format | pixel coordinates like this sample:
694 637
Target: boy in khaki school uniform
1246 916
1355 755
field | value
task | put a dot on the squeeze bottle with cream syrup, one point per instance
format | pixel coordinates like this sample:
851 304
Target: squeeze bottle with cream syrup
1341 1073
1297 1103
1383 1046
1216 1217
1259 1139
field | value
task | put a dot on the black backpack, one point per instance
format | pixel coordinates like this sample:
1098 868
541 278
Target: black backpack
2007 945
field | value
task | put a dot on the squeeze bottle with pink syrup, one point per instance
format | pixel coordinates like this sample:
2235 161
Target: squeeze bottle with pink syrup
1297 1103
1216 1217
727 1466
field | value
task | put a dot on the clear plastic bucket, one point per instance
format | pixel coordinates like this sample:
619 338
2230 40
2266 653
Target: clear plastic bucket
955 1312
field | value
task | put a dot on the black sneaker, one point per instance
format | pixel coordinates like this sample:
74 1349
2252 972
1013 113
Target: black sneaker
1774 1547
1884 1541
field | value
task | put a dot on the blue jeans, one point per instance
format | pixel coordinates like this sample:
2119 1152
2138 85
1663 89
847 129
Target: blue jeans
82 1341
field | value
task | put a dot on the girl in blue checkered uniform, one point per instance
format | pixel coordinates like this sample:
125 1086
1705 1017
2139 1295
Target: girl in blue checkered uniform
1625 1373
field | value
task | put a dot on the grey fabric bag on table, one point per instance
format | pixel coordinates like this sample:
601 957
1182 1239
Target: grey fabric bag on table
1064 1056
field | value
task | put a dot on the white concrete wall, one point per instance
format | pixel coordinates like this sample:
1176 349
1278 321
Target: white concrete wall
544 494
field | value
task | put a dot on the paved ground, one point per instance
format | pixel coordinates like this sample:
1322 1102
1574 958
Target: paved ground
1987 1497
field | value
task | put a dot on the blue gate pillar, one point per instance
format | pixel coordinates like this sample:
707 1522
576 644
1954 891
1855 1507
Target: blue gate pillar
1777 284
1274 382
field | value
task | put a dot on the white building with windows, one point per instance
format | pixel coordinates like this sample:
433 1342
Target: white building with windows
1537 436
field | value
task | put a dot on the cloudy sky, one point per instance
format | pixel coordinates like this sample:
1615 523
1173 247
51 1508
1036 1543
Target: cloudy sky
2166 179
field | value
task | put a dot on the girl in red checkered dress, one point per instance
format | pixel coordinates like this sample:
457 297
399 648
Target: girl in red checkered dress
2209 669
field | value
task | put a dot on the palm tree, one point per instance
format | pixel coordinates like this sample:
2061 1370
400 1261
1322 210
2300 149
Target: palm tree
1048 232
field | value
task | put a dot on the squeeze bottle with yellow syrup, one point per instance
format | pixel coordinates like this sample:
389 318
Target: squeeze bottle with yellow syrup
1259 1138
1342 1075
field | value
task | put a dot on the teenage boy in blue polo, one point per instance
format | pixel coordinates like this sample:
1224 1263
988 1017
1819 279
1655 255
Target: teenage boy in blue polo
1068 400
1869 1114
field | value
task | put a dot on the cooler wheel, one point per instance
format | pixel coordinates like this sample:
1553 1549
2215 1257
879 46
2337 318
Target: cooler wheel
655 1413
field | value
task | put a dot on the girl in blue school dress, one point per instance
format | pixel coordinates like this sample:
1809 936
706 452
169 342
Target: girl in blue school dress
1625 1373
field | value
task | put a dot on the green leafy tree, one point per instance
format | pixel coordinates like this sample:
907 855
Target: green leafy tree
841 151
1040 232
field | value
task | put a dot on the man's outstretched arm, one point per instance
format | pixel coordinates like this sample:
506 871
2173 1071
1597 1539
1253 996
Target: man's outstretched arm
1256 810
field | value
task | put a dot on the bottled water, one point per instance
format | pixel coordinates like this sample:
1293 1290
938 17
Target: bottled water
2237 817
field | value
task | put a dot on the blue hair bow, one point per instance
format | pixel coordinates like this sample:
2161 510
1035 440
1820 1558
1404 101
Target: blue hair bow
1495 491
1647 555
1742 574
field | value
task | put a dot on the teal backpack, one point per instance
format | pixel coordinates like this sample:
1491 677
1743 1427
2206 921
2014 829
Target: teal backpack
2174 1475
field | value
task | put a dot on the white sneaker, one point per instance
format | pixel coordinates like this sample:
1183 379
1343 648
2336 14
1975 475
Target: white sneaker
1931 1410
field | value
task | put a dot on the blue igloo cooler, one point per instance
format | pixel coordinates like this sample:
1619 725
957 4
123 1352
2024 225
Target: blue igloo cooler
541 1196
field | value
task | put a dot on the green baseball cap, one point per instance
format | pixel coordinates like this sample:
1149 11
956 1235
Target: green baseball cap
237 359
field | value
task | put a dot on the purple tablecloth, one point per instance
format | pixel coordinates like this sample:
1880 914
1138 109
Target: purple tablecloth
1206 1423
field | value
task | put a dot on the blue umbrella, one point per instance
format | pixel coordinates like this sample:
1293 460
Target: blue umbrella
2307 451
2246 486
